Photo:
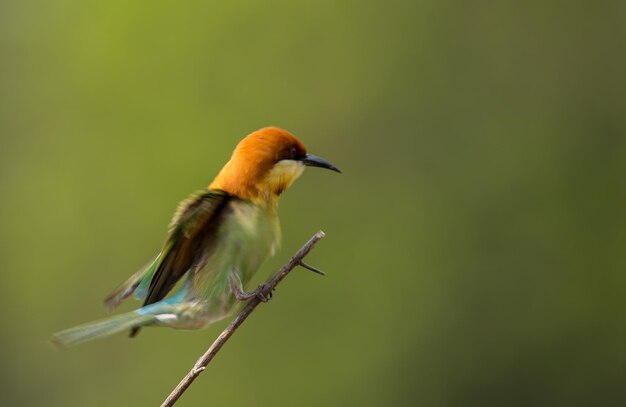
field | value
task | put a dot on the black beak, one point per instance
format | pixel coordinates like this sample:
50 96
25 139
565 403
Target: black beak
311 160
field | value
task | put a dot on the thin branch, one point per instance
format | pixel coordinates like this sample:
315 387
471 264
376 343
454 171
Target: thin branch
204 360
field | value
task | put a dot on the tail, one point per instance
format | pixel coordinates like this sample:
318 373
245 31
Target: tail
137 283
101 329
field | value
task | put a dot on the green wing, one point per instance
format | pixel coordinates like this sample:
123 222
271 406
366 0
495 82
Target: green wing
137 283
192 234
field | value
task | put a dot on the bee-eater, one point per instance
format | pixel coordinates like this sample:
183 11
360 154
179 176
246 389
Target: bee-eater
217 240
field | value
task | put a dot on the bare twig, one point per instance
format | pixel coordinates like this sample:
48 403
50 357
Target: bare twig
204 360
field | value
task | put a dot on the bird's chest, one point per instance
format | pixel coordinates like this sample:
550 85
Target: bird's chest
254 236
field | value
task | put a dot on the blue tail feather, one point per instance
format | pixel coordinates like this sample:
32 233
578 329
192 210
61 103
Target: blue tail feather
102 328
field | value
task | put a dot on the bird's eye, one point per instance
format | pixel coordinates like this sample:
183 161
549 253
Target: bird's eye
294 152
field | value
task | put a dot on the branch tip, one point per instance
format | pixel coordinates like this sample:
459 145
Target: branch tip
313 269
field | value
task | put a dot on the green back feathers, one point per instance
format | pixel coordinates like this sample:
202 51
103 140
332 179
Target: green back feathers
156 279
192 233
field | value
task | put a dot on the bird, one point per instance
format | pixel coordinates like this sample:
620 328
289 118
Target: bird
217 240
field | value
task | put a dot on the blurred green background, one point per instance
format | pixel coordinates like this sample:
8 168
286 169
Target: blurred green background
476 247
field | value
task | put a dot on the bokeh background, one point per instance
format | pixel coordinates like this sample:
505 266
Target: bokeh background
476 240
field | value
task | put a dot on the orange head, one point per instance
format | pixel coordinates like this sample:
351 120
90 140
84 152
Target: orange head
264 164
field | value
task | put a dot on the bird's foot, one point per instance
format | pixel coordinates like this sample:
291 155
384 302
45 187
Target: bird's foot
262 292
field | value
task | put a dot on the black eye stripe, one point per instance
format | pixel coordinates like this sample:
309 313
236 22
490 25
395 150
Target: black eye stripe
290 153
